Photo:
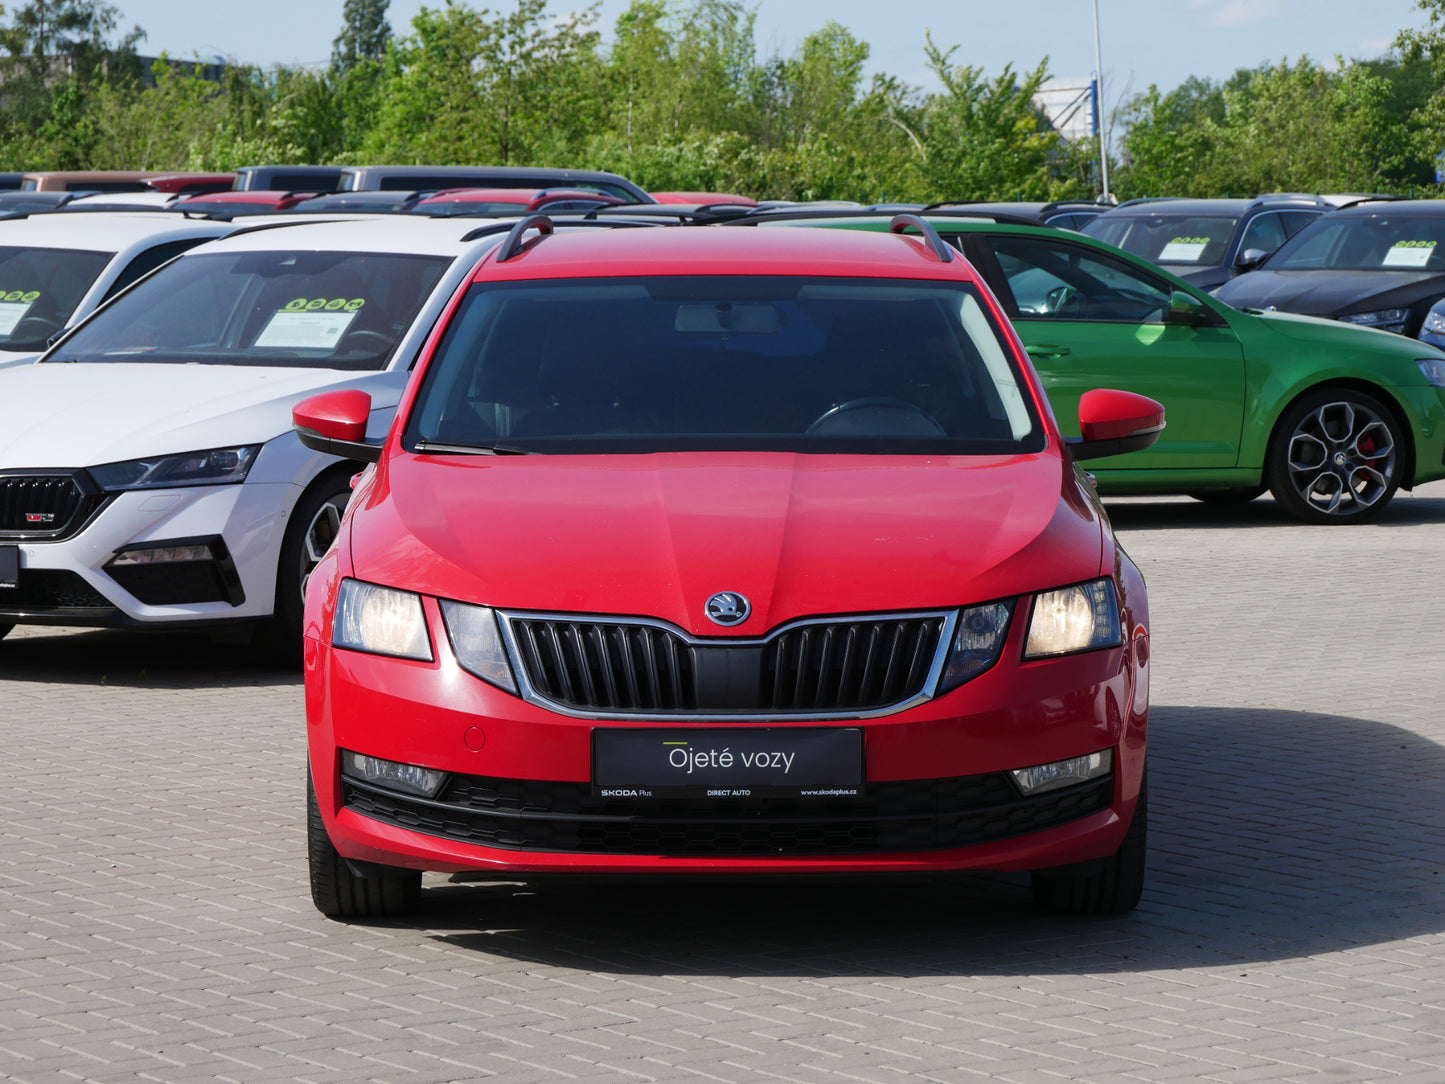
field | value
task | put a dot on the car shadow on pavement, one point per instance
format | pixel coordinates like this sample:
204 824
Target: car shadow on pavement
1273 834
223 658
1178 513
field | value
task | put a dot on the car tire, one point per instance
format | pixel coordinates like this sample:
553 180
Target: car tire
5 631
313 525
1228 496
1113 887
338 891
1316 466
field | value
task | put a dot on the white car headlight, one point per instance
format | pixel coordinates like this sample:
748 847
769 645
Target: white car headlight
1083 617
477 643
380 621
216 466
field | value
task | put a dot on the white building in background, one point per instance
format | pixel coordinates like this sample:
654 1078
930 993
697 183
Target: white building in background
1069 105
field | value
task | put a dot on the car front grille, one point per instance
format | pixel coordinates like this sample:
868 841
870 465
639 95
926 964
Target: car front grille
46 507
818 667
889 818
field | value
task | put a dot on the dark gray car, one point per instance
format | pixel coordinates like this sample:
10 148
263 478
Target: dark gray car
1206 242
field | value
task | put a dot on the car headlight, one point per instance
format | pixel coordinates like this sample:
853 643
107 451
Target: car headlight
477 643
216 466
380 621
1434 321
1433 368
1083 617
1384 319
978 639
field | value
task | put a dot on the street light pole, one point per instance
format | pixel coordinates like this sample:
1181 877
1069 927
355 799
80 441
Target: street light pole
1103 123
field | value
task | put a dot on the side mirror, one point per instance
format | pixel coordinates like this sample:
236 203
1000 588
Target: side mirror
1249 259
1184 309
1114 422
335 423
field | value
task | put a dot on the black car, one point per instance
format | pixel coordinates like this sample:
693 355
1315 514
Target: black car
1377 263
288 179
1206 241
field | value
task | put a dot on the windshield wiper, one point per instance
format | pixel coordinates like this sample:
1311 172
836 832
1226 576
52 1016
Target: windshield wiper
436 446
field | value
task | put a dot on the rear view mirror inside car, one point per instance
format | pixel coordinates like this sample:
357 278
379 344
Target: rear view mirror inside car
724 317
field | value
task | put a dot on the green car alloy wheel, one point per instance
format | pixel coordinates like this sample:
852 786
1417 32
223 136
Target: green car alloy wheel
1330 417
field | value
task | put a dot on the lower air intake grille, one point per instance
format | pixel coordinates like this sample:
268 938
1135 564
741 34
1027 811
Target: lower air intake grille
42 590
892 817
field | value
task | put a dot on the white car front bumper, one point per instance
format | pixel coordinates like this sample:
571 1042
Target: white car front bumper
73 580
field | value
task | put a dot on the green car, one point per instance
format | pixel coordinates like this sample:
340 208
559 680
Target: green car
1331 418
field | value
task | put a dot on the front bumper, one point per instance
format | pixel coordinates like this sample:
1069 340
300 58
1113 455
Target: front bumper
937 794
66 582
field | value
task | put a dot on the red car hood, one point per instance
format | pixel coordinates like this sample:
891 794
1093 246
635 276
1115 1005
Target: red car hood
656 535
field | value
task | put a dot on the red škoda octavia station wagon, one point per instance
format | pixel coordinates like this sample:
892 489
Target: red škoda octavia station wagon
725 551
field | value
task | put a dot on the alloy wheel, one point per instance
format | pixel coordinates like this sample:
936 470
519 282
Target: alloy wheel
1341 458
320 533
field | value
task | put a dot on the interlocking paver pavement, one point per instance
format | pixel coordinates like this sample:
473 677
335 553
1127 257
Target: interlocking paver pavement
154 923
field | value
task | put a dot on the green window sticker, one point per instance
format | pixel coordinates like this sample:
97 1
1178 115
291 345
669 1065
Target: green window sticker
322 304
1408 254
14 304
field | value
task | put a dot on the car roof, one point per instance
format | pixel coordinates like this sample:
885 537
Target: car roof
100 231
1429 208
704 251
385 233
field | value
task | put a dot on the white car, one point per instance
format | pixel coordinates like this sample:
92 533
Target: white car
149 471
57 268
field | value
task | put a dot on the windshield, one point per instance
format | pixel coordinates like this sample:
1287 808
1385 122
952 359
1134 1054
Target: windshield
1191 240
1378 242
39 289
748 363
314 310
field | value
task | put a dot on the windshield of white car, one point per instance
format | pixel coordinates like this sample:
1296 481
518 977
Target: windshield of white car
829 365
312 310
39 289
1190 240
1377 242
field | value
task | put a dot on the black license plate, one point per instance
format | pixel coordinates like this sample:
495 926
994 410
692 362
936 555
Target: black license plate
9 566
740 763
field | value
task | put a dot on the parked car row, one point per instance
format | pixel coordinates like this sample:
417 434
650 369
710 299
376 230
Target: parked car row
691 541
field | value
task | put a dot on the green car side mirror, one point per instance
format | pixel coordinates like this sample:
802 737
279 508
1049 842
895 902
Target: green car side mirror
1185 309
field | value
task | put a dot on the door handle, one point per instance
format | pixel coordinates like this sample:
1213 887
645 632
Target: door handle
1042 350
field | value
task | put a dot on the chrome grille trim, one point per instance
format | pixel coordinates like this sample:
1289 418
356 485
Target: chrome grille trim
515 626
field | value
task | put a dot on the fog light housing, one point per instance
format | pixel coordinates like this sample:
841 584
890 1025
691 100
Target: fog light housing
178 572
156 555
1042 778
393 775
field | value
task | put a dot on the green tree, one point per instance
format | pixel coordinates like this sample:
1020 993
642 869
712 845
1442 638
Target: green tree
986 139
365 34
474 86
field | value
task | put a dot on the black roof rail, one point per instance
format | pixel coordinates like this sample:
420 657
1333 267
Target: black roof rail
940 247
512 246
1147 199
759 214
1299 196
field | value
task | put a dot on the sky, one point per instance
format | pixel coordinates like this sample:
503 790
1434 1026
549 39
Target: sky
1143 41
